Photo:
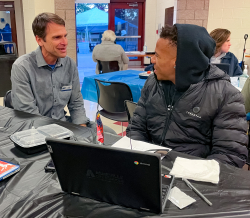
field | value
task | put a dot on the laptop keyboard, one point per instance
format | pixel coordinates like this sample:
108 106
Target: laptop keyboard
165 189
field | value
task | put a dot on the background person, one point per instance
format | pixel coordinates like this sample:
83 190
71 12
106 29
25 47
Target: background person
222 54
109 51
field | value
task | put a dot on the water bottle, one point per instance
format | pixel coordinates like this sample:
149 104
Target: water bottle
245 71
243 77
145 47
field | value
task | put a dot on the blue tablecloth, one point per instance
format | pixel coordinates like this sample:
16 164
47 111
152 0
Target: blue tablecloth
130 77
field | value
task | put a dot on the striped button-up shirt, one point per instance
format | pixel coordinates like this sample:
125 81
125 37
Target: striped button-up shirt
39 89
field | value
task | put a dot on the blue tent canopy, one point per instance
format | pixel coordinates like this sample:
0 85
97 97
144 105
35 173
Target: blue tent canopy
96 17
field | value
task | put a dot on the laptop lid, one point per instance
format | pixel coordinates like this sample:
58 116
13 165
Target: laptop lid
117 176
223 66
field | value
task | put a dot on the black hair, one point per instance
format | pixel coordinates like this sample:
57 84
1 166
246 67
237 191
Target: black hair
170 33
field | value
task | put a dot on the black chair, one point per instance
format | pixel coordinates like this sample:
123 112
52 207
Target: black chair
111 97
130 108
108 66
6 61
7 102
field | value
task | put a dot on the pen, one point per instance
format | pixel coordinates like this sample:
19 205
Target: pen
197 192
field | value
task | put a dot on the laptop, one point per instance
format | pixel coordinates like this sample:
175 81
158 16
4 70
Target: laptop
118 176
223 66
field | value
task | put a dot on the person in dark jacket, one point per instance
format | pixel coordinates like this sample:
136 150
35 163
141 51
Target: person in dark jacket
189 105
222 54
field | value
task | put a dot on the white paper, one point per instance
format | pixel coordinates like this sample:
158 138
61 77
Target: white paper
124 142
198 170
179 198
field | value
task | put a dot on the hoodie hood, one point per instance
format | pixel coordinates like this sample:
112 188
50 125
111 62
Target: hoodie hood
195 47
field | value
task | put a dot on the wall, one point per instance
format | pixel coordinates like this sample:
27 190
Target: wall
31 8
192 12
66 10
150 27
155 14
160 10
233 15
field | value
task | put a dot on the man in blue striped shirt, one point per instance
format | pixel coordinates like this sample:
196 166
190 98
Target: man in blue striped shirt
46 80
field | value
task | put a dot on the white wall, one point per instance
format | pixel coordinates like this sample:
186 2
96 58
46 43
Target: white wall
155 15
232 15
150 21
31 8
160 10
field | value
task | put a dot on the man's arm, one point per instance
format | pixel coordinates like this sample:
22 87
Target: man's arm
75 104
229 132
21 93
137 129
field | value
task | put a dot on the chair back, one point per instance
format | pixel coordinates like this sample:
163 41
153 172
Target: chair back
111 95
130 108
7 100
108 66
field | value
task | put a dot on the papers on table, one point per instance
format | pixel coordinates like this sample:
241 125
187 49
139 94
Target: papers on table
137 145
179 198
198 170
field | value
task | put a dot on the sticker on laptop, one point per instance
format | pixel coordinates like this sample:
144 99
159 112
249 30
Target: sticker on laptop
66 88
167 176
141 163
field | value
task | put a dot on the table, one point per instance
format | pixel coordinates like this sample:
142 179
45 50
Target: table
34 193
130 77
139 55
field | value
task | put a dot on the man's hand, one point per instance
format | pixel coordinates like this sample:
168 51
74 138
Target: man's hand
85 125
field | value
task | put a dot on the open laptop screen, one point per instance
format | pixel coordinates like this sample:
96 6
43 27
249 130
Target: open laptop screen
118 176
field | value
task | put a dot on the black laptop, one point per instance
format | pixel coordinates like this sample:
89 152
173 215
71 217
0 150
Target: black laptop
118 176
223 66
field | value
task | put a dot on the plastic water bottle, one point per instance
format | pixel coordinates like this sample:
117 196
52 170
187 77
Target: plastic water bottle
243 77
145 47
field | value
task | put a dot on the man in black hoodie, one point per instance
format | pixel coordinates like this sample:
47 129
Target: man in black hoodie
189 105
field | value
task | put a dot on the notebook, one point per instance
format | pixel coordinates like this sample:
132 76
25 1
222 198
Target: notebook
7 169
118 176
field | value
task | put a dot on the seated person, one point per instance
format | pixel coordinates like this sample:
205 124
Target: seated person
222 54
46 80
189 105
109 51
150 67
7 28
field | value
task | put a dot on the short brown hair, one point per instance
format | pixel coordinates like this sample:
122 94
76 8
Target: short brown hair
170 33
40 22
220 36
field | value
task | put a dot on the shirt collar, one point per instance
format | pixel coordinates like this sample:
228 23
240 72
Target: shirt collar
220 56
108 42
40 59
